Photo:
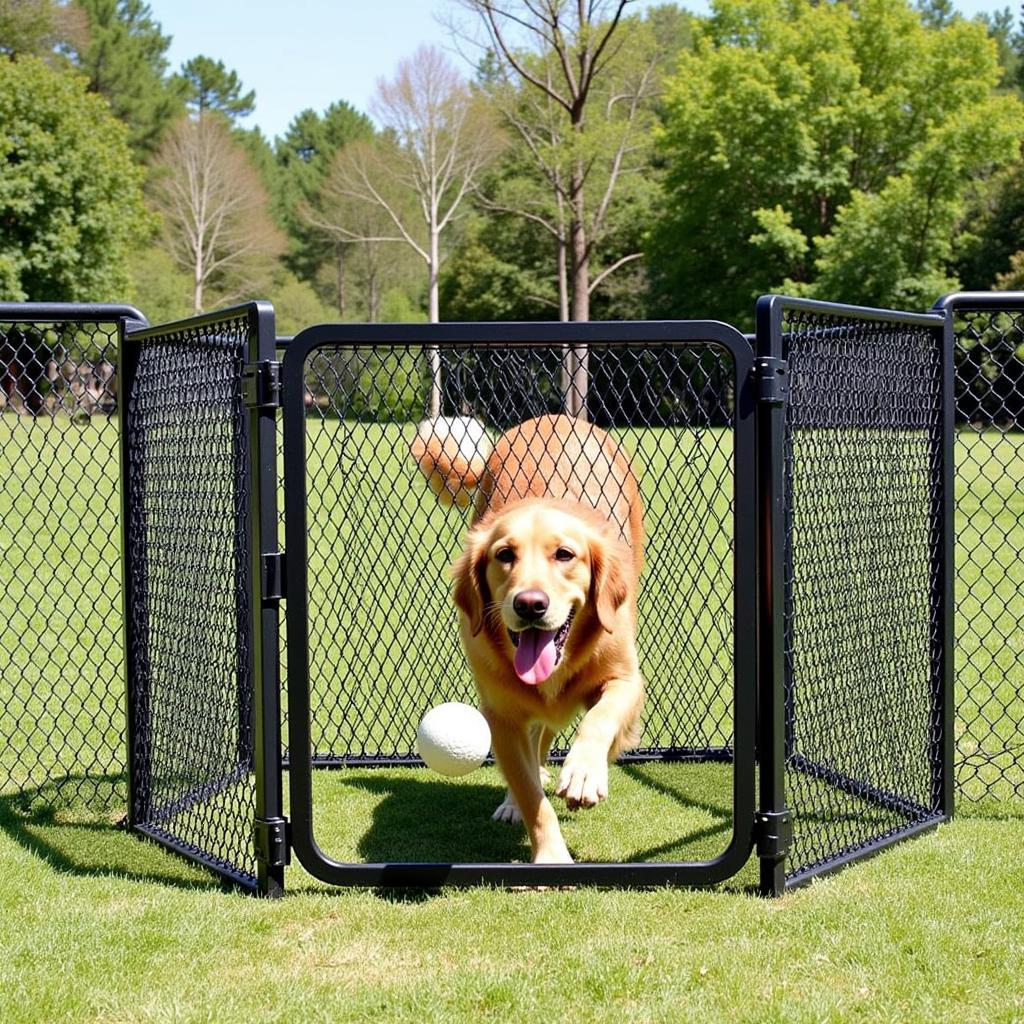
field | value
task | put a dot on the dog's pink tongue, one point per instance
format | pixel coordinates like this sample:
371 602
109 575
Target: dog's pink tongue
536 655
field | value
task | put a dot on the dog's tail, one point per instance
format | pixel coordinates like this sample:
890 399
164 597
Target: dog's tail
452 452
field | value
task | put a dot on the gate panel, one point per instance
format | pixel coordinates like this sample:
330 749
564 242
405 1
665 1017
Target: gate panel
193 667
61 702
989 453
372 629
866 571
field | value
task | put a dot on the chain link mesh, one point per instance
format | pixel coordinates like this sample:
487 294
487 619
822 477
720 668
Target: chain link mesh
863 481
383 631
989 456
189 547
61 690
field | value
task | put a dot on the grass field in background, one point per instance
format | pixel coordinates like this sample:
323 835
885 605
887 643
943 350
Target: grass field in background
96 926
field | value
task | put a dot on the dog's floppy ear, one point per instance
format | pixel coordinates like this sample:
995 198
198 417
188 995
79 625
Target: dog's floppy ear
470 572
609 586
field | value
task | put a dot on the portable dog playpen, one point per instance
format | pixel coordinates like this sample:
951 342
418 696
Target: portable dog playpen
797 620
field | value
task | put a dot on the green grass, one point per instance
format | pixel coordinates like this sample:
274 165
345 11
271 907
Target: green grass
96 926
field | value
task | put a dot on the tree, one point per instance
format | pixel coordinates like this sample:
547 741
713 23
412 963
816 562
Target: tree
586 81
304 156
823 149
124 58
40 28
214 208
358 232
439 139
71 205
208 85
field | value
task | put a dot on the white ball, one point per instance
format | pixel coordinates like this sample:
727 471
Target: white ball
468 436
453 739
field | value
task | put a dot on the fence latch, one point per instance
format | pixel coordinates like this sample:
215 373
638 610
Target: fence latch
773 833
272 575
272 841
261 385
772 376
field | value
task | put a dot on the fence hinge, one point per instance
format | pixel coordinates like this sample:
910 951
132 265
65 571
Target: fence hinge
773 833
272 840
261 384
272 575
772 375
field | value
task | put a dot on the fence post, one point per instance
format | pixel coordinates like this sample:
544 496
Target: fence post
772 822
270 828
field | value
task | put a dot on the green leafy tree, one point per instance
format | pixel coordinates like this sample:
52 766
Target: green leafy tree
825 149
71 208
992 228
209 86
40 28
124 58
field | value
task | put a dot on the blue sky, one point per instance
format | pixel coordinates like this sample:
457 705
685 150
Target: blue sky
308 53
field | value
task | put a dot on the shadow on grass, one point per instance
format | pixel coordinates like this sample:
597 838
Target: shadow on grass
425 821
721 811
80 836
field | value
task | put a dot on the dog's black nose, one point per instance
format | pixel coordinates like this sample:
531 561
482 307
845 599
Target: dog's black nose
530 604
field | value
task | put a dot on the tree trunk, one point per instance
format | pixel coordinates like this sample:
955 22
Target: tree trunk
579 376
563 282
340 253
433 355
197 294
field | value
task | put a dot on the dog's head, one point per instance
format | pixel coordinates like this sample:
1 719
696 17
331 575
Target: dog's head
541 573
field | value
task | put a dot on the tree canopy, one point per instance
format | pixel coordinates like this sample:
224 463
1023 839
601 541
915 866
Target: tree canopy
208 85
823 147
124 55
71 205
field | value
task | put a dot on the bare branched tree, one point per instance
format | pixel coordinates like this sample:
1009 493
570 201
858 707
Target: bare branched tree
573 80
213 205
438 137
584 78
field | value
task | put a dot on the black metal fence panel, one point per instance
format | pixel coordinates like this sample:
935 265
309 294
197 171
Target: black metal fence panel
864 578
989 453
373 630
381 546
189 591
61 689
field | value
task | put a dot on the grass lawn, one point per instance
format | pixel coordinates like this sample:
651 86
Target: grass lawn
97 926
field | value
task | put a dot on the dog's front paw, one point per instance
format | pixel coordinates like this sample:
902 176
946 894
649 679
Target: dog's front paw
555 853
507 811
584 778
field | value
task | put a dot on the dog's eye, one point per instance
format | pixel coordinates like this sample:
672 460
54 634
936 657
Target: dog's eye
564 555
506 556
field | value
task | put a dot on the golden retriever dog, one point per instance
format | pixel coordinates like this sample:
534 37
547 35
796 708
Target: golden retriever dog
546 589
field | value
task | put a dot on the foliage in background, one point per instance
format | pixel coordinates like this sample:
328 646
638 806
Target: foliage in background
865 151
71 206
124 57
40 28
209 87
820 148
303 156
214 210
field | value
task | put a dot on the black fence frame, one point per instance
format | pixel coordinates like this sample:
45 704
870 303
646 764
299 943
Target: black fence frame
260 480
776 683
768 817
570 335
